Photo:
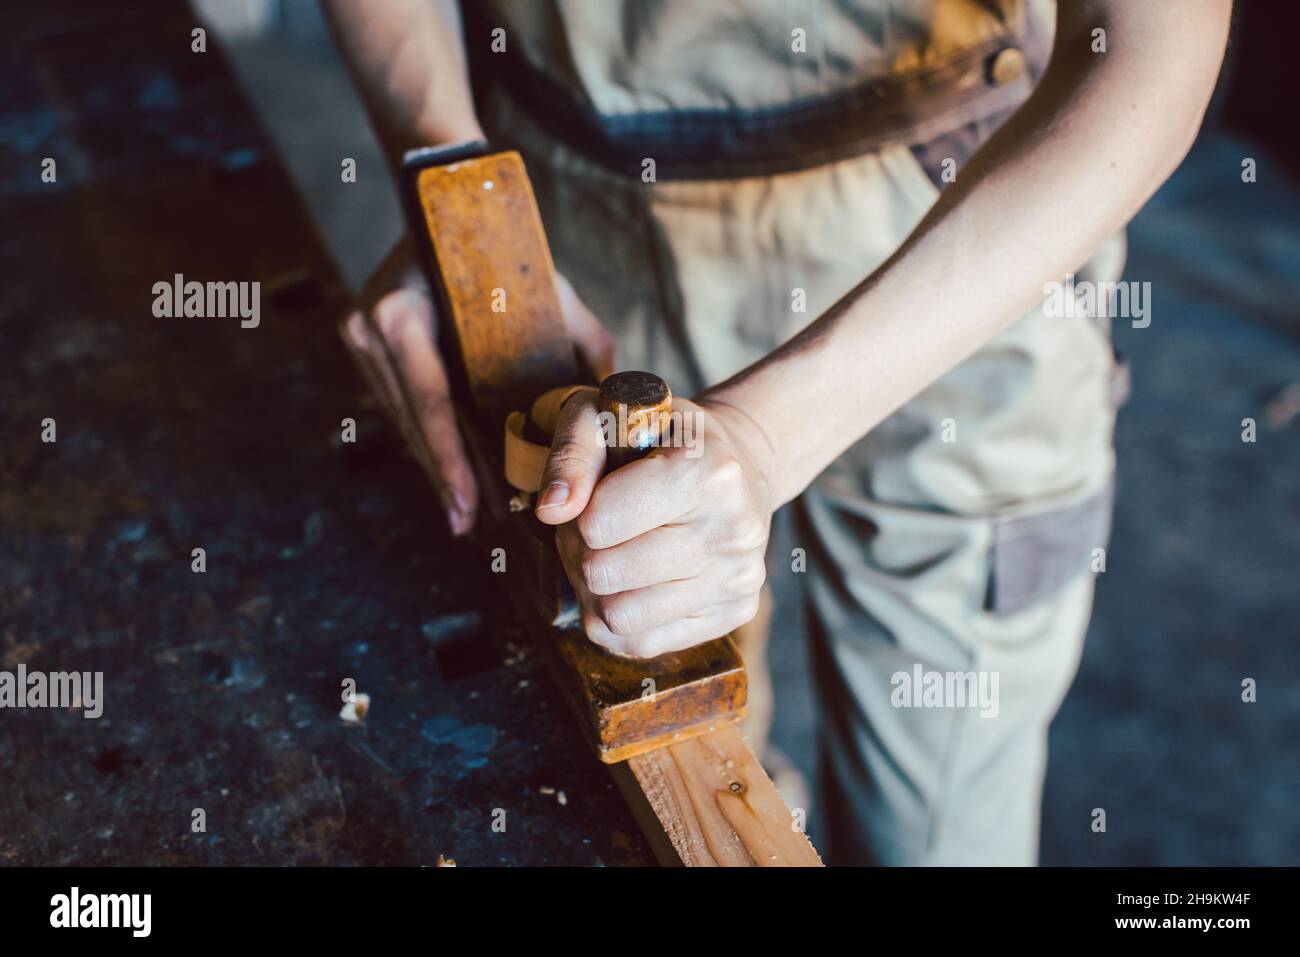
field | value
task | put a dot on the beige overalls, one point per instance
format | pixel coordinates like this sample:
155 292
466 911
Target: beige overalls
713 175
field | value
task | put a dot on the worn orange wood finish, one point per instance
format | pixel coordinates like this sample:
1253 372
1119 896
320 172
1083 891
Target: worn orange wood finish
631 705
496 269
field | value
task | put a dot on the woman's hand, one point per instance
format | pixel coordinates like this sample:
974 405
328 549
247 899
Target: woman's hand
668 551
391 334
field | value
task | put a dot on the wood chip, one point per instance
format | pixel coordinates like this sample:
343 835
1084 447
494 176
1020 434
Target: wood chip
354 711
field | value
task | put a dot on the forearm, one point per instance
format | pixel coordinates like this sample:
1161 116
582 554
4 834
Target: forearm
407 57
1097 138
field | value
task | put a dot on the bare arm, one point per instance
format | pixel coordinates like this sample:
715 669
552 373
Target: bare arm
408 60
1099 135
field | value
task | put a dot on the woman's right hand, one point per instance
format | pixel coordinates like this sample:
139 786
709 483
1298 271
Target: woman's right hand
391 334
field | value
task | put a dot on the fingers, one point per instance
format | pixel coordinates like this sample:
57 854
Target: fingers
712 622
406 319
363 347
643 495
670 616
595 344
669 550
632 614
623 617
577 458
397 356
660 555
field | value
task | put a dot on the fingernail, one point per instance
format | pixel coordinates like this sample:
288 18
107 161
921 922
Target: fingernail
458 520
557 493
460 503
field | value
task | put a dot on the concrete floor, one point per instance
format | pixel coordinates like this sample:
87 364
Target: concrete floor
1200 591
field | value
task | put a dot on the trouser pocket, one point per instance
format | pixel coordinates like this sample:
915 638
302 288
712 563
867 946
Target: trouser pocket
1035 555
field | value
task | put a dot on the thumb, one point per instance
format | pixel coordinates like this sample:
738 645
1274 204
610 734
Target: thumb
576 461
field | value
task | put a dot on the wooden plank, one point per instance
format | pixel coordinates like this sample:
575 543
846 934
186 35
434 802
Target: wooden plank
707 802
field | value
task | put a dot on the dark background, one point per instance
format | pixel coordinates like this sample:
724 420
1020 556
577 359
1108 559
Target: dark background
328 561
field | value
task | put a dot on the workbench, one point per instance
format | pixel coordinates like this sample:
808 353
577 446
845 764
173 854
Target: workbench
325 559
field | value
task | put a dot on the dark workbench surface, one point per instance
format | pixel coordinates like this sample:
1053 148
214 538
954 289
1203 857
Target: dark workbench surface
324 560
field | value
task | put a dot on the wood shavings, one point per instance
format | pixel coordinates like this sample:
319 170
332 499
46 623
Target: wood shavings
354 711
